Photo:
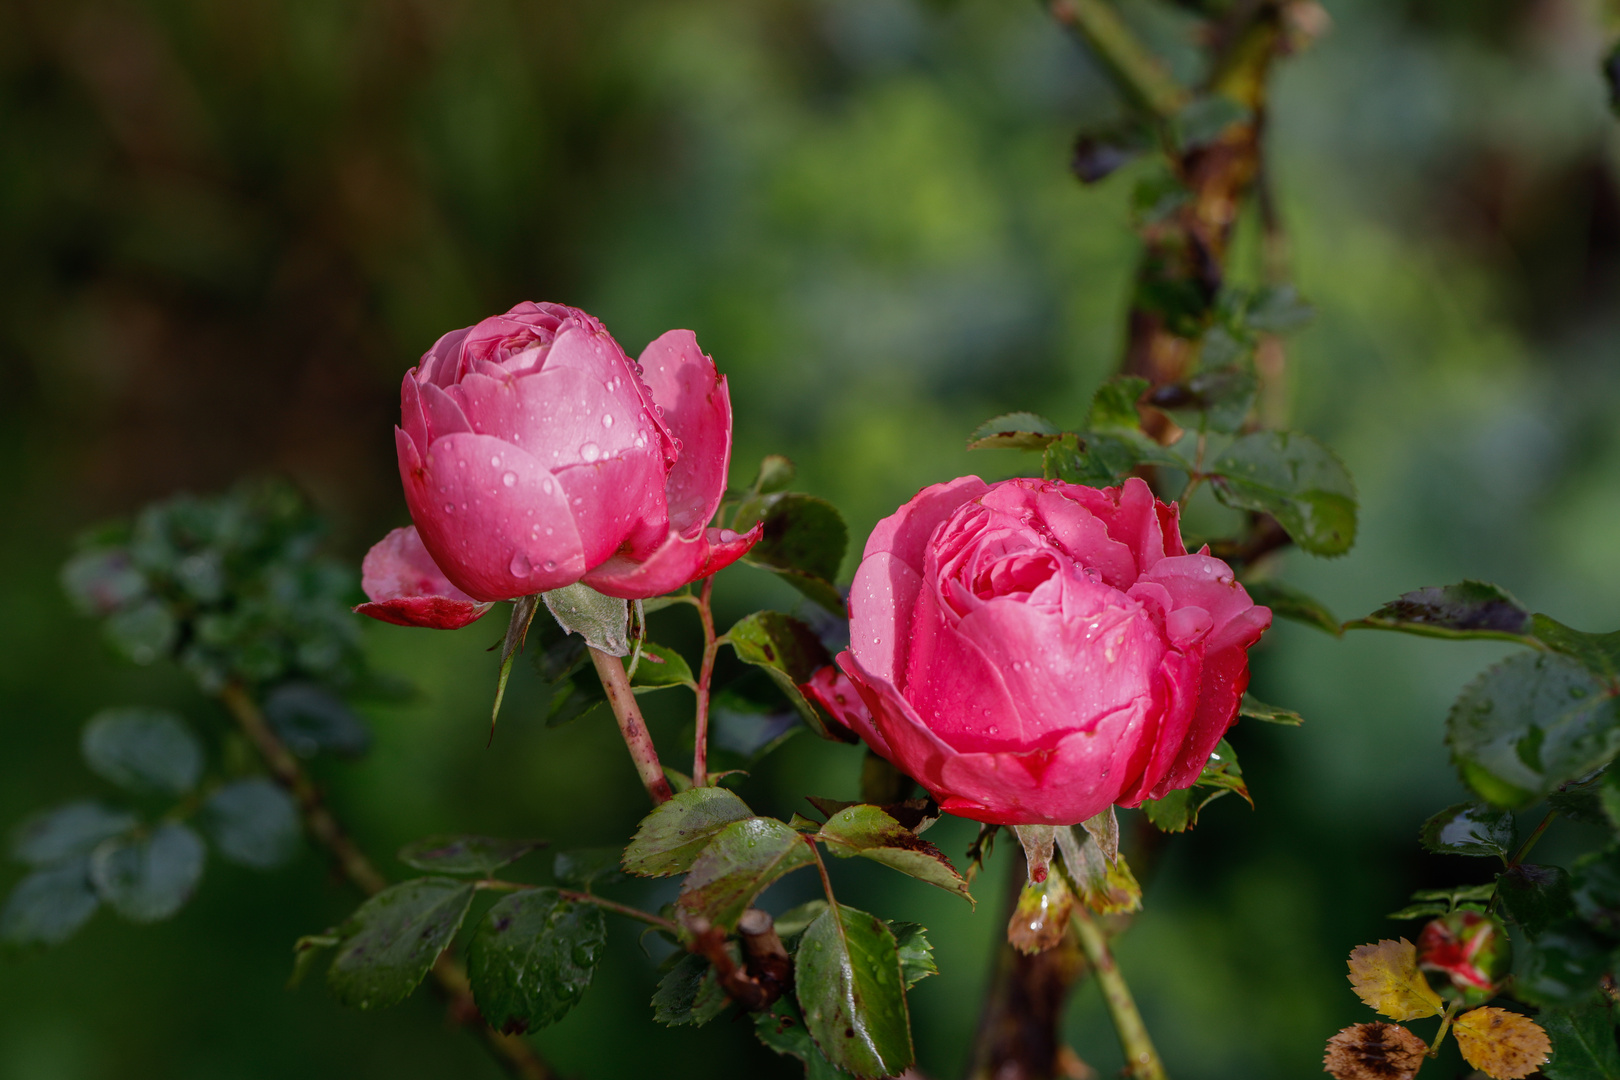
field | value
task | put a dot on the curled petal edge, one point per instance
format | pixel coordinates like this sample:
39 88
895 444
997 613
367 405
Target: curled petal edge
432 612
676 562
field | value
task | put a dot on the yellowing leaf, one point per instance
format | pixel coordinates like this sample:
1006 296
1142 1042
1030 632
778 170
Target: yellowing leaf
1375 1051
1386 977
1500 1043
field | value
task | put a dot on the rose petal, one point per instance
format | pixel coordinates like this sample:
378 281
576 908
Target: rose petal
833 691
493 518
407 587
430 612
443 413
441 365
697 411
883 588
413 418
1206 582
557 416
905 532
618 502
677 561
955 688
1224 677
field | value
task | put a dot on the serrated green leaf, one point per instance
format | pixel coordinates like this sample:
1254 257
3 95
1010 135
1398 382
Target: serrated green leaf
852 993
1288 602
1458 894
1469 609
804 541
1296 480
481 855
307 952
253 822
148 751
787 650
1582 800
148 878
1536 897
48 906
532 958
1255 709
782 1029
916 954
737 865
1113 406
1529 724
392 940
583 868
67 832
689 993
1469 829
797 920
670 839
1215 400
871 833
1598 653
1583 1043
1014 431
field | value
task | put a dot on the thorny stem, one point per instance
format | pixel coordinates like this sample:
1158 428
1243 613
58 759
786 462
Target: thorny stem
711 646
1141 1059
1445 1025
515 1055
499 885
634 729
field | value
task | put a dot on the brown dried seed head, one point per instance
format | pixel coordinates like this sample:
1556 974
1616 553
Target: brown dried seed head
1375 1051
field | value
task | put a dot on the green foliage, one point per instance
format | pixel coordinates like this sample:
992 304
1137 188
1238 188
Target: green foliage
146 751
1562 966
311 719
1255 709
584 868
916 954
803 543
481 855
851 990
1014 431
782 1028
736 865
147 878
67 832
603 621
789 651
1583 1043
660 666
1216 399
392 940
1296 480
689 993
669 840
1470 609
1535 897
532 958
1178 810
1288 602
871 833
1470 829
48 906
748 728
253 822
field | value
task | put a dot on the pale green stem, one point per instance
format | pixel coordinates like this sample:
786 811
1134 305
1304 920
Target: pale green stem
1141 1060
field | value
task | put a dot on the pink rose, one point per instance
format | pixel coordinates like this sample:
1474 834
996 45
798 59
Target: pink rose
535 454
1033 651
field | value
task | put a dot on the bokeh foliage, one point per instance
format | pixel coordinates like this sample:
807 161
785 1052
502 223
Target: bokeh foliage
228 228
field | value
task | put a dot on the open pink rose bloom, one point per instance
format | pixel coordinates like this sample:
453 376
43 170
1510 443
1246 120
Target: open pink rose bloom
535 454
1033 651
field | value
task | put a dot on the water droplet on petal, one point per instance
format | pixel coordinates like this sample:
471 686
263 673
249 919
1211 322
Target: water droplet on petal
545 485
590 451
551 564
607 419
449 508
495 461
520 565
509 479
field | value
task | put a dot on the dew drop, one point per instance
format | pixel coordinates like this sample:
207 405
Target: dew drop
607 419
520 565
590 451
509 479
449 508
545 485
551 564
495 461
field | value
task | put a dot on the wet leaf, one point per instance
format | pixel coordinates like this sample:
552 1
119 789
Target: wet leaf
1014 431
1598 653
1469 829
916 954
603 621
1529 724
149 878
661 666
1040 919
851 990
143 632
1296 480
1386 978
689 993
148 751
871 833
1218 399
1107 889
392 940
1255 709
583 868
737 865
1562 965
532 958
782 1029
48 906
1470 609
67 832
309 718
788 650
253 822
1536 897
1287 602
1374 1051
1501 1044
481 855
1583 1046
670 839
803 543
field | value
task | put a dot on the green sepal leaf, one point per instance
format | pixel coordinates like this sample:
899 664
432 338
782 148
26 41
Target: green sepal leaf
1469 829
67 832
803 543
1583 1043
1529 724
392 940
690 993
789 651
149 878
1288 602
783 1030
737 865
852 993
253 822
1014 431
1256 709
871 833
1296 480
148 751
1536 897
48 906
670 839
916 954
583 868
517 629
1104 887
603 621
532 958
1469 609
481 855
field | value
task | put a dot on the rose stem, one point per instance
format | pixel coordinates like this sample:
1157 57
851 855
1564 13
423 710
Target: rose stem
631 725
515 1055
711 646
1445 1026
1141 1060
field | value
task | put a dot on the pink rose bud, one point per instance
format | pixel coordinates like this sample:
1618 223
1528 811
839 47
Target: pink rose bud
1469 947
1033 652
535 454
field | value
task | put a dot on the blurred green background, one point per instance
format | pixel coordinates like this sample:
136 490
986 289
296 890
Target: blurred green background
228 227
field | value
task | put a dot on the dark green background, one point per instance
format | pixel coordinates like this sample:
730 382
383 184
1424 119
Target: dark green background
228 227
